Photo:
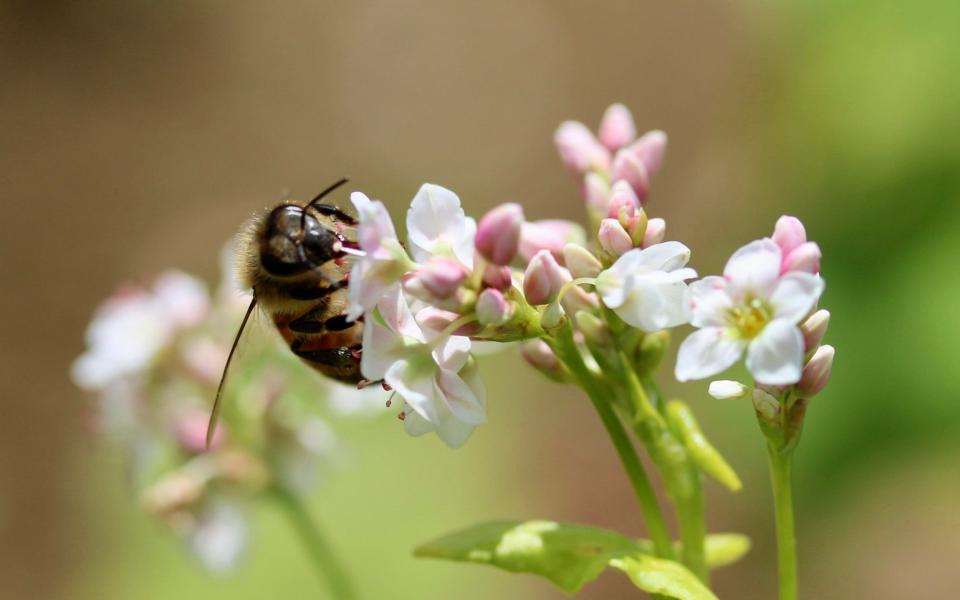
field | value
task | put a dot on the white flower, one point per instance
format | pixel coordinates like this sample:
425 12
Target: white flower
438 381
133 327
220 537
437 226
384 261
647 288
750 308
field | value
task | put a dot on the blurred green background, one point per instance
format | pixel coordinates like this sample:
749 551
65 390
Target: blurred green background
139 135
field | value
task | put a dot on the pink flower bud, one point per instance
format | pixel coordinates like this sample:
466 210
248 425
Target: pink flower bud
814 328
622 199
650 149
498 234
579 150
805 257
629 168
596 193
816 373
190 430
551 234
539 355
440 278
614 238
437 320
497 277
656 230
789 233
580 261
617 128
493 308
543 279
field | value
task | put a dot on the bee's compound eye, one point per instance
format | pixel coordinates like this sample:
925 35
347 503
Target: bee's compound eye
319 243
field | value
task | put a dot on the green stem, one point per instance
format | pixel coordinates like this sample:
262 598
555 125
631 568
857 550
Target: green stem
693 525
680 476
652 515
780 476
321 554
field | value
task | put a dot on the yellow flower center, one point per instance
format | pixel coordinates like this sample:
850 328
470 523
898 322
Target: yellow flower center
750 317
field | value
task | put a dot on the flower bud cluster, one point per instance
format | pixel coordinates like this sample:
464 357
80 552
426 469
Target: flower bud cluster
154 358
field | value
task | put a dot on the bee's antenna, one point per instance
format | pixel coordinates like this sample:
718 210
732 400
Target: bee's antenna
217 404
317 198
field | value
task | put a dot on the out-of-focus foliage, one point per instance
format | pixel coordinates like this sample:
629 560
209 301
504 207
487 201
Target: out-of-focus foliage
862 138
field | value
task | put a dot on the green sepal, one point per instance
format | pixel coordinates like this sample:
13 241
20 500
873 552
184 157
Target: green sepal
701 451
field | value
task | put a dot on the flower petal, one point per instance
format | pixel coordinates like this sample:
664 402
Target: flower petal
795 295
754 268
710 301
415 425
655 301
460 398
454 432
416 386
775 357
453 353
435 215
666 256
707 352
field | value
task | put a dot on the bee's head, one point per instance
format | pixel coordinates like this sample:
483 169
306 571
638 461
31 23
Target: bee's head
294 242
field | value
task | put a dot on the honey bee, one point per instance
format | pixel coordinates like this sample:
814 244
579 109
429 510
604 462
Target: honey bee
292 257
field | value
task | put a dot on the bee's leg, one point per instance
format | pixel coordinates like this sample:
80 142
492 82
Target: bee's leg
330 210
313 291
317 320
340 363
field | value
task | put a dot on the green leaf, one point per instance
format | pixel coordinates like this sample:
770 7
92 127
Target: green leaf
568 555
661 576
724 549
573 555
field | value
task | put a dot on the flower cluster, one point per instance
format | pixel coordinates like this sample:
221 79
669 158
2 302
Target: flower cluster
507 279
154 358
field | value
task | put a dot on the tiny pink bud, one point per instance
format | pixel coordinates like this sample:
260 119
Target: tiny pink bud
628 167
816 373
539 355
622 199
656 230
191 432
596 193
438 319
497 277
614 238
543 279
493 308
579 149
814 328
440 278
650 149
805 257
551 234
617 128
789 233
498 234
580 261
